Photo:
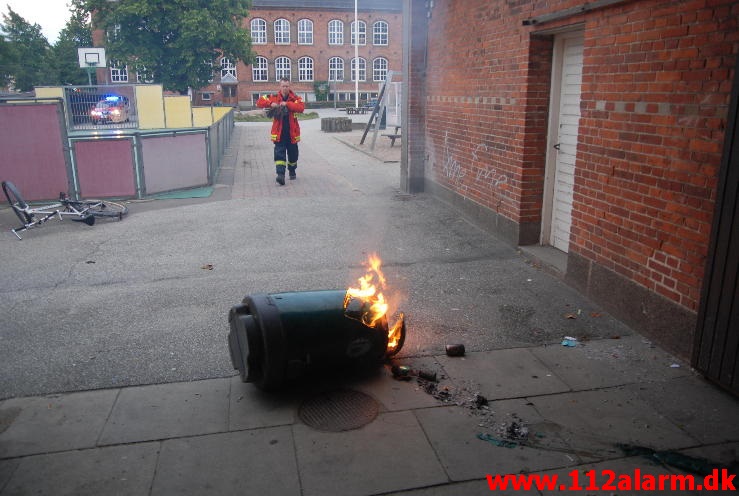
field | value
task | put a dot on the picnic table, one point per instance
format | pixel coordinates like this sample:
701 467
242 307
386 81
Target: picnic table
356 110
395 135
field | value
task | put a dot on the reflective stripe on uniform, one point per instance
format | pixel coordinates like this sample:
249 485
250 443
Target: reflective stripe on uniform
280 162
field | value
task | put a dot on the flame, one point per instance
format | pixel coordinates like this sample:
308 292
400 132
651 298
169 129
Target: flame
395 334
374 305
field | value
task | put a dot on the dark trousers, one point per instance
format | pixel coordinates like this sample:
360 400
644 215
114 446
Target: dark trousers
286 154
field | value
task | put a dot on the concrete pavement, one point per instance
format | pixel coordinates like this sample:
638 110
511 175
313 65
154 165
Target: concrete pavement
117 380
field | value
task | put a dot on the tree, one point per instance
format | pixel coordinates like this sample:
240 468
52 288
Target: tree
8 62
321 89
62 61
28 52
177 41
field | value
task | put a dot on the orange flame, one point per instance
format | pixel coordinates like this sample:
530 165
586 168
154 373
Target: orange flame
395 334
369 292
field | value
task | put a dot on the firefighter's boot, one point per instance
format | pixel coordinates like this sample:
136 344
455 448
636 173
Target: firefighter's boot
280 175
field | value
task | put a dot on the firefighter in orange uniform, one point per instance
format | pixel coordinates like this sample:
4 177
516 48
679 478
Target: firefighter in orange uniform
285 128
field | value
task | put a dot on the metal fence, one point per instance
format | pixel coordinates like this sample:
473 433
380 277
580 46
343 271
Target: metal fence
93 107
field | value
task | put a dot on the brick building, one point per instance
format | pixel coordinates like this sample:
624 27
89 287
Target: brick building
596 129
311 42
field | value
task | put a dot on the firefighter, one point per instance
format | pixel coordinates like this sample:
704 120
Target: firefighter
282 107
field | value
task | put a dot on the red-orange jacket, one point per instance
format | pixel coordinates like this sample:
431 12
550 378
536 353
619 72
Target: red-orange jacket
294 104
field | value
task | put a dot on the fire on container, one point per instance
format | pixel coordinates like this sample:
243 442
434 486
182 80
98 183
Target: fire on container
278 337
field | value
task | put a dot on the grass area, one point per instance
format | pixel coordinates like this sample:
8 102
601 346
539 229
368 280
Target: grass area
260 118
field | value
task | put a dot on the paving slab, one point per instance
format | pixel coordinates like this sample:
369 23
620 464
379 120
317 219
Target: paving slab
251 408
510 373
163 411
259 461
577 366
53 423
389 454
593 423
722 454
453 432
611 361
7 468
397 395
635 358
120 470
700 409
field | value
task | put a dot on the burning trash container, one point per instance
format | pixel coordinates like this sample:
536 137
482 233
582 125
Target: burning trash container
278 337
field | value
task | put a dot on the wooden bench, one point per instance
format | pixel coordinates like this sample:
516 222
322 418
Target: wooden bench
395 135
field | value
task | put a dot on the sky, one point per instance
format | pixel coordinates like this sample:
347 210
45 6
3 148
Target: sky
51 15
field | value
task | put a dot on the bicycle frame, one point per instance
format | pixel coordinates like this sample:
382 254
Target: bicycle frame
50 211
80 210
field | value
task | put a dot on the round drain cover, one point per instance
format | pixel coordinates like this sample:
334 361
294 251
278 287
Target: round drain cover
337 411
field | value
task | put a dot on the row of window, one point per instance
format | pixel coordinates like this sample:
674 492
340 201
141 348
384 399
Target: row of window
336 66
305 32
282 68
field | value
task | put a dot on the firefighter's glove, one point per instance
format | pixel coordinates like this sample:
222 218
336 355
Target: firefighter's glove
276 112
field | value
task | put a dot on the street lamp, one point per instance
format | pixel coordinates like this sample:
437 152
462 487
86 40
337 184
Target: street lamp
356 56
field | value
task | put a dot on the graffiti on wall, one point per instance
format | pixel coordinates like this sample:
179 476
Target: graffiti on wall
451 168
487 176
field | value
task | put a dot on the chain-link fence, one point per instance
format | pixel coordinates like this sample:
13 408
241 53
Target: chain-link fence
92 107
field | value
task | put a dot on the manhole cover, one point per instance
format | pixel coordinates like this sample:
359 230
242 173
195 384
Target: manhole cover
337 411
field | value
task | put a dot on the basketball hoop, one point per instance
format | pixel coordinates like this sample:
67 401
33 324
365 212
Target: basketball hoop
90 59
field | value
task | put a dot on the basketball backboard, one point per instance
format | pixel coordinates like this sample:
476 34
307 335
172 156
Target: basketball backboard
91 57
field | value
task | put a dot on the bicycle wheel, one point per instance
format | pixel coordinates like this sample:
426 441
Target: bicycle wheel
16 201
101 208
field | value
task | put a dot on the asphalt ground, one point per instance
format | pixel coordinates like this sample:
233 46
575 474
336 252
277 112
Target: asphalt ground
145 300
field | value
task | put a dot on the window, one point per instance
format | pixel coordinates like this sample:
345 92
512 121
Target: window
335 32
362 69
118 72
282 32
144 75
379 69
113 33
305 32
259 69
259 31
227 69
209 65
282 68
335 69
362 33
305 69
206 97
379 33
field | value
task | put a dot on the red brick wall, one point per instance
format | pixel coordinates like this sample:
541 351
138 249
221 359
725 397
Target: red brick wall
655 92
480 112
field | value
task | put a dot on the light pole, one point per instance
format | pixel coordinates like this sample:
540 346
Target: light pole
356 56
